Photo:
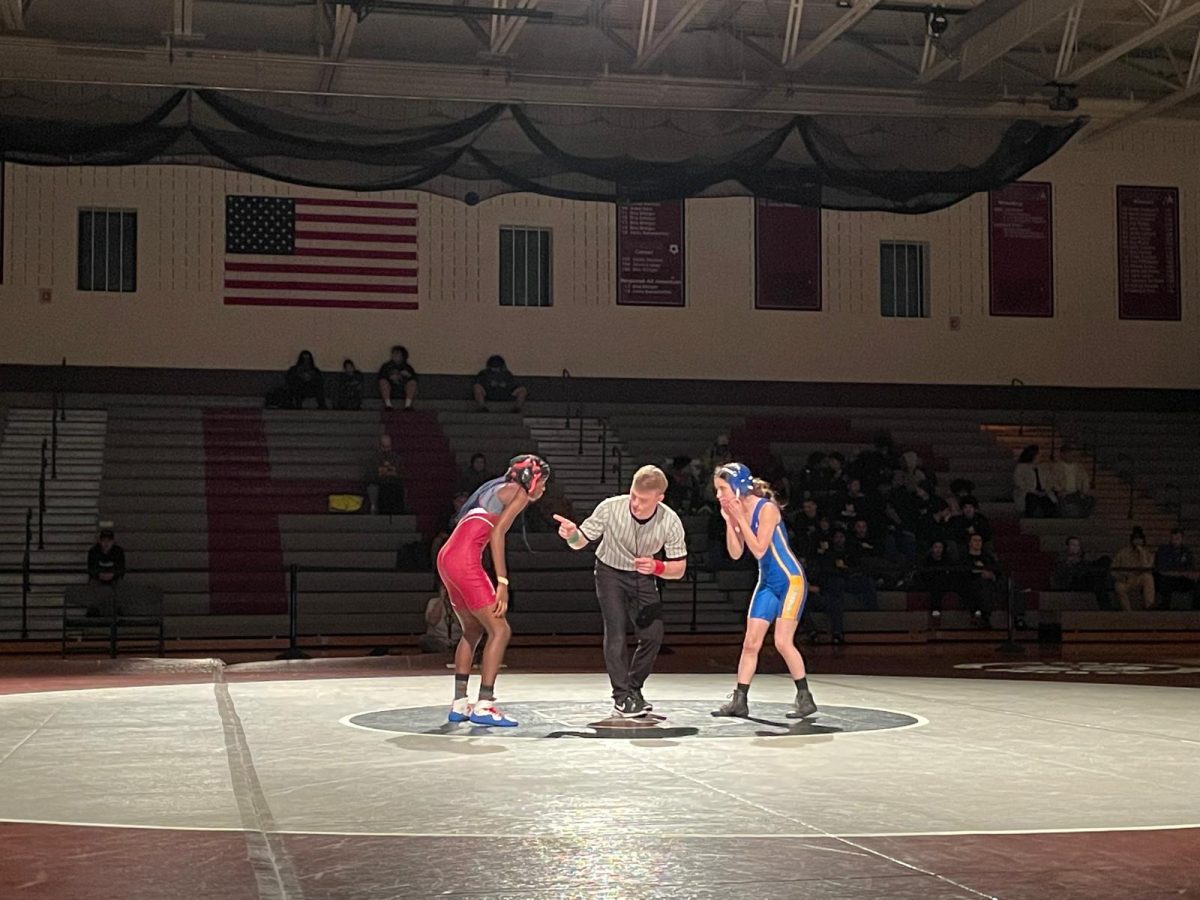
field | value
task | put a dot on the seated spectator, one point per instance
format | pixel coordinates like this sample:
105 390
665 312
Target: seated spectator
848 575
939 576
872 507
717 455
961 487
1133 570
774 474
835 479
822 538
812 481
985 582
106 560
386 489
105 568
1072 485
852 503
934 526
875 466
475 474
442 628
349 387
915 472
872 558
902 508
1073 571
804 526
1033 486
826 595
684 494
970 521
1175 570
495 384
303 381
397 377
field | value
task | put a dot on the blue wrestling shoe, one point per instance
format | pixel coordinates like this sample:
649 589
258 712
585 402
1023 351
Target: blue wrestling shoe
486 713
460 710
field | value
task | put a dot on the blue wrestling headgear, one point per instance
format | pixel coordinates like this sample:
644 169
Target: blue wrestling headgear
738 477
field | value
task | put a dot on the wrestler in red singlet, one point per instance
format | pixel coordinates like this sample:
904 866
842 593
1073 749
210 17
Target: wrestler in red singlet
484 521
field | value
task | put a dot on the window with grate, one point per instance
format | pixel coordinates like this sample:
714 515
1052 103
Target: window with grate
107 250
904 279
525 267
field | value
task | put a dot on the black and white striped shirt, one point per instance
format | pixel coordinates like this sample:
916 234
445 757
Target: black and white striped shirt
624 538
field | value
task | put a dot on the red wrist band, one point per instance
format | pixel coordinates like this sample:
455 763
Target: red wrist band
659 567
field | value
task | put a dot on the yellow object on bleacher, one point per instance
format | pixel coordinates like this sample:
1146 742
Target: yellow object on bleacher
345 503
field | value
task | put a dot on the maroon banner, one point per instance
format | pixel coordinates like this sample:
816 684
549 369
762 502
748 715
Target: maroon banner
1148 253
650 257
787 256
1021 254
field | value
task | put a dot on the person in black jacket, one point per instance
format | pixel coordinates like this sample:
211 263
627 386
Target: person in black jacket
985 581
106 560
397 378
304 380
349 387
496 384
106 568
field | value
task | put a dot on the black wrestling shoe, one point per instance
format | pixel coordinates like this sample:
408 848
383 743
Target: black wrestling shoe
803 706
631 707
647 706
737 707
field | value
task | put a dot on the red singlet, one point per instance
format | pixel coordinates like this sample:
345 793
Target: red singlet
460 562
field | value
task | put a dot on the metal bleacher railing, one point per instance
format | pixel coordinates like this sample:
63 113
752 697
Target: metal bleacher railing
294 574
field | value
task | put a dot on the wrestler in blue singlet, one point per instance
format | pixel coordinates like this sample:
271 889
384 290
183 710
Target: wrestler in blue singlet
782 587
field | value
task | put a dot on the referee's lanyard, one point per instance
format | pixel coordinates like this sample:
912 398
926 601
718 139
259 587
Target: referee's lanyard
639 524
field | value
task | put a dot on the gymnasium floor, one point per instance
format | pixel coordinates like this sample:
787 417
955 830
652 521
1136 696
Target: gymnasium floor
338 779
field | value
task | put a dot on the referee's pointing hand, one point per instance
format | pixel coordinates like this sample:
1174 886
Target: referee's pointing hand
566 528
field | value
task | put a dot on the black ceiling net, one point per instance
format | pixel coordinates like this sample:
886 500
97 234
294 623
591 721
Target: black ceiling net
475 151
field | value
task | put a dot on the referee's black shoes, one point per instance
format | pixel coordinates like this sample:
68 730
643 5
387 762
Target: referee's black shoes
631 706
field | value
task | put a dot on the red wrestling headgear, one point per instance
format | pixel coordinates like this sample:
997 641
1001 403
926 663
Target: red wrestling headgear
528 471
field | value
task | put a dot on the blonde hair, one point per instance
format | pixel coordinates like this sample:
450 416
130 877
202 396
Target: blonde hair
650 478
762 488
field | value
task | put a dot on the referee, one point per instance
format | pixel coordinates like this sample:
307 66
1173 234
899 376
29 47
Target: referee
632 529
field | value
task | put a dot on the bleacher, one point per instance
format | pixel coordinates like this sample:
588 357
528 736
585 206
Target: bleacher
214 499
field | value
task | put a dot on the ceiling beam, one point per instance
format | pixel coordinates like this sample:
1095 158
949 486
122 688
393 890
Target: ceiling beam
929 53
1013 28
1168 7
1156 77
1159 28
938 69
345 22
473 26
651 46
181 17
791 31
851 18
1190 89
264 74
506 28
613 35
754 46
597 14
1070 41
12 15
886 55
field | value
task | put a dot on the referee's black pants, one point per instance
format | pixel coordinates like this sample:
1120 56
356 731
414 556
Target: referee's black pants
628 598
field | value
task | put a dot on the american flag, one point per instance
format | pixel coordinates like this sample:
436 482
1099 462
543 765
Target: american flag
304 251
